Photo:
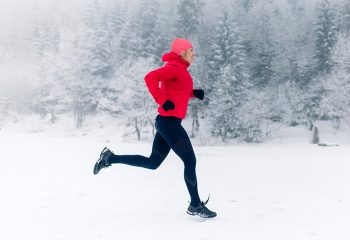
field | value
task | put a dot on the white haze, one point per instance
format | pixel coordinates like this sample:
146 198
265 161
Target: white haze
17 19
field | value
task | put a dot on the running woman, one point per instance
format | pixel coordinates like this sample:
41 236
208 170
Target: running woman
171 86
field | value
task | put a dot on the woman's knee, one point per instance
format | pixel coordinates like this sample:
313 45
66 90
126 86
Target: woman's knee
154 164
156 160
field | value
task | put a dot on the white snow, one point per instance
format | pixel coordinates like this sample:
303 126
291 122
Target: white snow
273 191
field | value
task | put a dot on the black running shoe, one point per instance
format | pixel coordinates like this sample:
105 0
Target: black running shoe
201 211
102 162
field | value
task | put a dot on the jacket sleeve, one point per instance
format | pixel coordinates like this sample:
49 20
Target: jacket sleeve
160 75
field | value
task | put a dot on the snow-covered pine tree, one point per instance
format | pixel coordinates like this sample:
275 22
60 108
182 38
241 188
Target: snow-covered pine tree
161 38
138 107
48 98
301 48
298 52
99 37
128 42
341 53
294 96
219 53
114 17
91 63
189 18
76 72
145 27
343 16
313 94
252 115
110 101
142 37
261 47
115 14
230 96
325 37
336 102
46 32
287 59
231 85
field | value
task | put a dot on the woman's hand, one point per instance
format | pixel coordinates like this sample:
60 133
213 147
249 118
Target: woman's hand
168 105
198 93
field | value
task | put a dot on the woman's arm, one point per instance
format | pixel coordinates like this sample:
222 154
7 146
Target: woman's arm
160 75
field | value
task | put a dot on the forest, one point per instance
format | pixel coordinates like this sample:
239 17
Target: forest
260 62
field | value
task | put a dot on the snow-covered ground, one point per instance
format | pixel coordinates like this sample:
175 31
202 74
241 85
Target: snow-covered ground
273 191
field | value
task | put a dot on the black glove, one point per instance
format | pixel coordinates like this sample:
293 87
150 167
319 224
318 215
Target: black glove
198 93
168 105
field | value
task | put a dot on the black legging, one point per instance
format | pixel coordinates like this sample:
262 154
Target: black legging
170 135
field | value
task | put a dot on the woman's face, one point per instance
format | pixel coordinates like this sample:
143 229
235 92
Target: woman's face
188 55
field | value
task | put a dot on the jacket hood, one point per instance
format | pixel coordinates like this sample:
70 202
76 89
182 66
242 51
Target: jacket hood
173 57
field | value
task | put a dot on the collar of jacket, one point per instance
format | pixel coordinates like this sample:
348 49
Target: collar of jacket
171 56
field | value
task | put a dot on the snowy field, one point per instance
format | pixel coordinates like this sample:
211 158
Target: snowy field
270 191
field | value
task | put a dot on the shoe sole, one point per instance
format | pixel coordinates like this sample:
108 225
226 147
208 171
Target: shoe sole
189 213
193 214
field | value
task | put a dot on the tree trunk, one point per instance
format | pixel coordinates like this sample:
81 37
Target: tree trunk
153 128
336 122
195 121
315 139
79 118
53 117
310 124
224 135
137 129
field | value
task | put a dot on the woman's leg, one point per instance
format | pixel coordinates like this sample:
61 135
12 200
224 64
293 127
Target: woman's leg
160 150
177 138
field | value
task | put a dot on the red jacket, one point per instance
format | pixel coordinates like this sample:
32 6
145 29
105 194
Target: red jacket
171 82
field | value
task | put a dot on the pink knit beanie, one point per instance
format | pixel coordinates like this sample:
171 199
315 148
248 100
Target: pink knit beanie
179 45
